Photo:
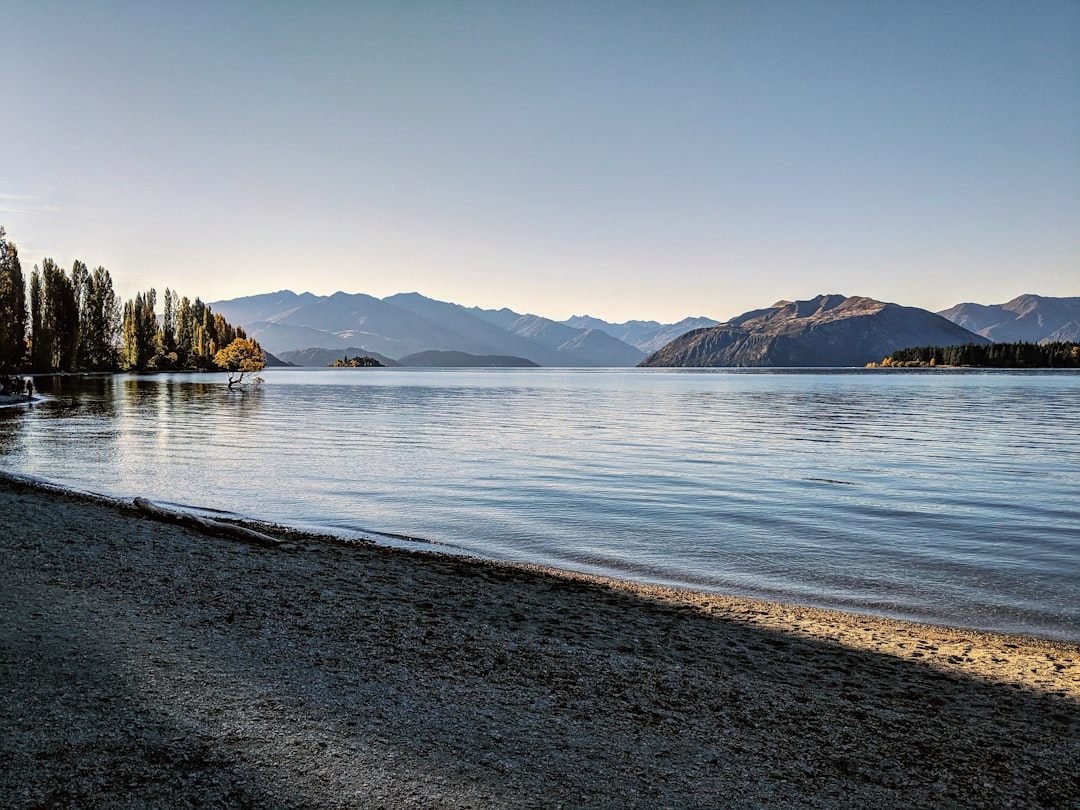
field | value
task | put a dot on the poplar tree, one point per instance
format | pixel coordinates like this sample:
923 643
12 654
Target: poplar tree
224 334
62 310
12 306
185 335
99 322
80 277
168 323
140 329
40 337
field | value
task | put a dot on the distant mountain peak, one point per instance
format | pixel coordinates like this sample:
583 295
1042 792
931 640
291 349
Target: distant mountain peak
1028 317
828 330
647 336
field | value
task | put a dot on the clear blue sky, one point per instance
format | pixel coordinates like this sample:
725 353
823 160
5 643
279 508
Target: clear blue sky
621 159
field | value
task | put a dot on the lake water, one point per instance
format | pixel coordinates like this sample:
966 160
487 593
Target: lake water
941 495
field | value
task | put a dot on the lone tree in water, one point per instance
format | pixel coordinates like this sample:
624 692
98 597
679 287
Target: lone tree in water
242 356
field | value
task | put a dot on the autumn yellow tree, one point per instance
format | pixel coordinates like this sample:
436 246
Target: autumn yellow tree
242 356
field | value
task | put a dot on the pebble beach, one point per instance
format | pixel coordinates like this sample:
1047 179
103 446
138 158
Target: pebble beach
149 664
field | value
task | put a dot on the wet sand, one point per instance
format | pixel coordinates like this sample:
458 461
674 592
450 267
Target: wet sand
146 664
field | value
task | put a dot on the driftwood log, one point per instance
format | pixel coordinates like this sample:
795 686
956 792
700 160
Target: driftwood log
216 527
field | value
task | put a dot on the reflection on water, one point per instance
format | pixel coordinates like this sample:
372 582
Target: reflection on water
941 496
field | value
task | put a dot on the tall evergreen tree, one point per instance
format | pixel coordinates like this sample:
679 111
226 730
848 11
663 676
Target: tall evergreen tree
80 278
139 331
129 332
40 336
61 316
185 332
99 322
168 323
223 330
12 306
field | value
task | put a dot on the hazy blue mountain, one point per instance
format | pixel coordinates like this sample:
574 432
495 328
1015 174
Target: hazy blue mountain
587 346
320 357
277 337
528 326
1069 333
463 331
565 345
543 330
645 335
273 361
592 347
502 318
267 306
1027 318
830 330
408 323
433 359
341 320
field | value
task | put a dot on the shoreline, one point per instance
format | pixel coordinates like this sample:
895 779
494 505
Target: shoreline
152 664
766 612
420 546
7 400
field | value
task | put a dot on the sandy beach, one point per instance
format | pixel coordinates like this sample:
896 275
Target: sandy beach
147 664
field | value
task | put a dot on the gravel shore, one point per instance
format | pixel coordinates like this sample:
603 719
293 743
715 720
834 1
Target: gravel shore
145 664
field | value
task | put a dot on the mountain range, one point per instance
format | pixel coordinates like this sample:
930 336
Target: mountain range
406 324
1027 318
830 330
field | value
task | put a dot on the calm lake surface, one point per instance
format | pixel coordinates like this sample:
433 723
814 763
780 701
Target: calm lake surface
941 495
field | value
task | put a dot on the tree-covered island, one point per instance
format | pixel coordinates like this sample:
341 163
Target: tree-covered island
357 362
76 322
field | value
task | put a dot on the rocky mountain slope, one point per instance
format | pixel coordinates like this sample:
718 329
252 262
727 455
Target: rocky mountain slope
1028 318
829 330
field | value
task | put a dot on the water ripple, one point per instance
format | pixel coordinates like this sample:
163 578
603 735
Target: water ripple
941 496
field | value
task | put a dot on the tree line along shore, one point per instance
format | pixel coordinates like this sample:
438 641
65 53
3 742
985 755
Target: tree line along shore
57 321
988 355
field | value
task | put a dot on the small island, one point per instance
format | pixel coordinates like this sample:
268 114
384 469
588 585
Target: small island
357 362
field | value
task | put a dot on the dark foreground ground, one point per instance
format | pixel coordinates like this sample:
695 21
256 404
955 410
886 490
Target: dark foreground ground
144 664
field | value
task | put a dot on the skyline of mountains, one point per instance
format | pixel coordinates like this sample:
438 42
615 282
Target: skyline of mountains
406 324
307 328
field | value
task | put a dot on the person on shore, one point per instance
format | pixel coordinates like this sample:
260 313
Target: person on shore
29 389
